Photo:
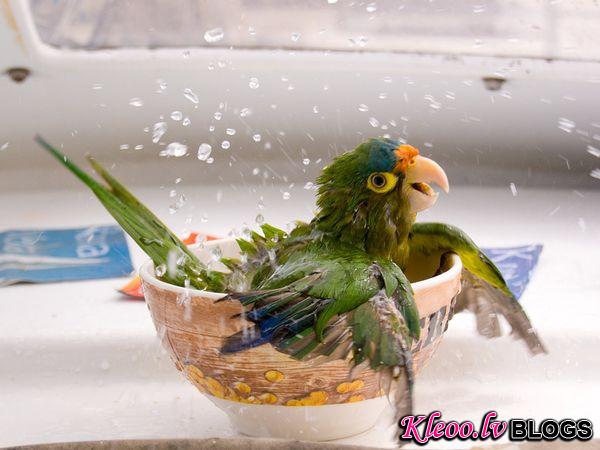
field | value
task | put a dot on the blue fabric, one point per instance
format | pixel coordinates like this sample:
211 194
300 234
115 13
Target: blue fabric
516 264
42 256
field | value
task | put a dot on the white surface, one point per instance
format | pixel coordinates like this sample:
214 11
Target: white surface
77 361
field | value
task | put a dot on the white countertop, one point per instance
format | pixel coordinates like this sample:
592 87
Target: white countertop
80 362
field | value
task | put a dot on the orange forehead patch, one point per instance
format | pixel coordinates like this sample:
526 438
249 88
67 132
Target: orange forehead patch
405 155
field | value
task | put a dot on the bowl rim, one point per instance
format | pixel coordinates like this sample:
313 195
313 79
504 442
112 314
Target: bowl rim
148 276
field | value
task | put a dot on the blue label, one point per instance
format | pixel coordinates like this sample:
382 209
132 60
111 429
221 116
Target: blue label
41 256
516 264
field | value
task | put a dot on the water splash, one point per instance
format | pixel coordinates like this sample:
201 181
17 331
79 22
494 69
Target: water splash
214 35
189 94
254 83
204 151
158 131
174 149
566 125
136 102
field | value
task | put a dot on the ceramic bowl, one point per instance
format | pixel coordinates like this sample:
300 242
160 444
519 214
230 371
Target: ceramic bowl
266 393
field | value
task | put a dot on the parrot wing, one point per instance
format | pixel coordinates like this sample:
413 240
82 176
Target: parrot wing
484 292
307 320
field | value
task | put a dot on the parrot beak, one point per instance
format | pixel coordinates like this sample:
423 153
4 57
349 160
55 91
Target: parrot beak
422 196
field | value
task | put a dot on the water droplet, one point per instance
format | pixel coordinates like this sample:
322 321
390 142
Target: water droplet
138 147
286 195
230 131
136 102
387 79
225 145
255 171
210 66
124 147
591 150
332 2
261 203
189 94
478 9
162 85
175 149
315 109
204 151
371 7
309 185
6 144
363 108
257 137
210 160
359 41
382 95
306 161
97 86
214 35
260 219
158 130
253 83
433 103
176 115
595 173
373 122
218 115
160 270
211 128
178 180
251 31
566 125
186 54
295 37
513 189
244 112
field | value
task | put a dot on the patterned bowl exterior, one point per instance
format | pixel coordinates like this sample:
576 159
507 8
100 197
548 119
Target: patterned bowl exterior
193 327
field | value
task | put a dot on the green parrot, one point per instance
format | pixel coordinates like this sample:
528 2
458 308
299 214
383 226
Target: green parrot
335 287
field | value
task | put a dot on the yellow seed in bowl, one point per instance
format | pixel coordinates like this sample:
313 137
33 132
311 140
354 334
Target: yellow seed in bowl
274 376
193 373
293 402
318 397
343 388
215 388
355 398
268 398
242 388
356 385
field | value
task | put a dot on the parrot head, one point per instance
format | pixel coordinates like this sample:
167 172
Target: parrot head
374 192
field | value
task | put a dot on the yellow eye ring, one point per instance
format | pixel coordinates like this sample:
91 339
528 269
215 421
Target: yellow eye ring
382 182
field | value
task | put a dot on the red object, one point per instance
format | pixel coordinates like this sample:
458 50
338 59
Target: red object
133 288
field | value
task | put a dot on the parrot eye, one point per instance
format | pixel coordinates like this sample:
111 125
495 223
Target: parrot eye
381 182
378 180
